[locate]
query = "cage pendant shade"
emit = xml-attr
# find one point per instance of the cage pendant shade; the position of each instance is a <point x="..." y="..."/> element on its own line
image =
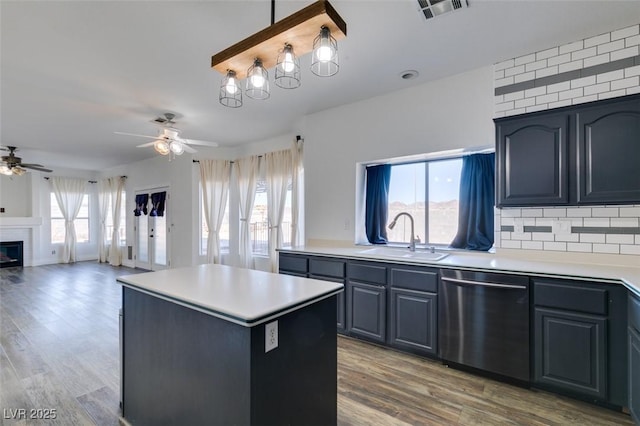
<point x="324" y="59"/>
<point x="257" y="81"/>
<point x="287" y="69"/>
<point x="230" y="92"/>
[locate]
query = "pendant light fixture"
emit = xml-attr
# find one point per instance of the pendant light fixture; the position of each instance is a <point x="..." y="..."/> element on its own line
<point x="176" y="147"/>
<point x="316" y="28"/>
<point x="287" y="69"/>
<point x="257" y="81"/>
<point x="230" y="92"/>
<point x="324" y="60"/>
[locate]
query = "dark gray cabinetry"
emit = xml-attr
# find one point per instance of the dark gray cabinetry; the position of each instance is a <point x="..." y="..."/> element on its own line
<point x="413" y="304"/>
<point x="608" y="152"/>
<point x="578" y="346"/>
<point x="634" y="357"/>
<point x="583" y="154"/>
<point x="366" y="301"/>
<point x="532" y="156"/>
<point x="293" y="264"/>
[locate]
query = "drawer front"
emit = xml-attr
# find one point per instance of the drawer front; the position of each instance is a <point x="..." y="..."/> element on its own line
<point x="634" y="312"/>
<point x="292" y="263"/>
<point x="574" y="297"/>
<point x="412" y="279"/>
<point x="367" y="273"/>
<point x="326" y="268"/>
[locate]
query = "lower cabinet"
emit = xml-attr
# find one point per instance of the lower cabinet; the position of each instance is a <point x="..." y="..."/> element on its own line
<point x="366" y="311"/>
<point x="413" y="321"/>
<point x="570" y="351"/>
<point x="634" y="357"/>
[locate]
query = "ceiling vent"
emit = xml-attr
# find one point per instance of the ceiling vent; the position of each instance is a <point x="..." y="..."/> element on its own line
<point x="432" y="8"/>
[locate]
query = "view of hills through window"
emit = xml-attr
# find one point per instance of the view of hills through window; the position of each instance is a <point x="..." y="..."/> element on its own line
<point x="429" y="191"/>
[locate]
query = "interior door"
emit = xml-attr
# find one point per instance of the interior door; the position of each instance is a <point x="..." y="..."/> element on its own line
<point x="151" y="236"/>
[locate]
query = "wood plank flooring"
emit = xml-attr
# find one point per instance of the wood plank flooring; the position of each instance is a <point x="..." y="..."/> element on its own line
<point x="59" y="350"/>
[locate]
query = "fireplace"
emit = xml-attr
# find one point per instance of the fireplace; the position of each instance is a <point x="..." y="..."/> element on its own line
<point x="11" y="254"/>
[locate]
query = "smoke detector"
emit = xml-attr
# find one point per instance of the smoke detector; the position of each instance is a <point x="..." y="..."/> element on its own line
<point x="432" y="8"/>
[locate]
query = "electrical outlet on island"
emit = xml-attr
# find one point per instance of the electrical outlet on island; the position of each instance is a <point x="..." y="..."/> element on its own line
<point x="270" y="336"/>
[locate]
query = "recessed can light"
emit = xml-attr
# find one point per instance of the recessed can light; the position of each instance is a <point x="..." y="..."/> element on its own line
<point x="409" y="74"/>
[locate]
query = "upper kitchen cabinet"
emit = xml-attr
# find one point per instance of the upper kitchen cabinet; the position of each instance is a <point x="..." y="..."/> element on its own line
<point x="609" y="152"/>
<point x="583" y="154"/>
<point x="532" y="156"/>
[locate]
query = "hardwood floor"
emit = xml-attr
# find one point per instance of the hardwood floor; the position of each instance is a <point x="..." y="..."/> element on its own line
<point x="59" y="350"/>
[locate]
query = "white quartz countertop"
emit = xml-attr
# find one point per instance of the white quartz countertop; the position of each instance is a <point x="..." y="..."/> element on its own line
<point x="243" y="296"/>
<point x="626" y="275"/>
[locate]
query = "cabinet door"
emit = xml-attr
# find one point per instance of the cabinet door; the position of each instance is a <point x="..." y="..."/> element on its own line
<point x="608" y="153"/>
<point x="340" y="320"/>
<point x="570" y="352"/>
<point x="413" y="321"/>
<point x="532" y="160"/>
<point x="634" y="375"/>
<point x="366" y="311"/>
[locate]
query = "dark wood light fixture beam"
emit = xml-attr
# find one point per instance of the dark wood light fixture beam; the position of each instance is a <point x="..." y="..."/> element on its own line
<point x="299" y="30"/>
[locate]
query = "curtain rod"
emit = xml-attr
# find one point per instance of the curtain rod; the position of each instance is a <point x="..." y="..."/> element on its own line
<point x="90" y="181"/>
<point x="298" y="139"/>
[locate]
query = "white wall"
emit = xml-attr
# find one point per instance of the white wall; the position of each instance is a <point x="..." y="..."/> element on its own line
<point x="454" y="112"/>
<point x="15" y="195"/>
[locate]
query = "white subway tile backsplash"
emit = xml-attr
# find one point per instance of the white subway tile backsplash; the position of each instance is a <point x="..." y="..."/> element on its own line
<point x="584" y="81"/>
<point x="555" y="212"/>
<point x="532" y="245"/>
<point x="510" y="244"/>
<point x="584" y="99"/>
<point x="584" y="53"/>
<point x="499" y="114"/>
<point x="511" y="213"/>
<point x="579" y="247"/>
<point x="610" y="47"/>
<point x="570" y="66"/>
<point x="629" y="52"/>
<point x="597" y="222"/>
<point x="619" y="239"/>
<point x="565" y="102"/>
<point x="525" y="59"/>
<point x="608" y="76"/>
<point x="536" y="91"/>
<point x="579" y="212"/>
<point x="597" y="88"/>
<point x="629" y="249"/>
<point x="557" y="60"/>
<point x="545" y="99"/>
<point x="573" y="238"/>
<point x="571" y="94"/>
<point x="545" y="72"/>
<point x="633" y="90"/>
<point x="524" y="77"/>
<point x="532" y="213"/>
<point x="632" y="41"/>
<point x="542" y="236"/>
<point x="535" y="108"/>
<point x="637" y="239"/>
<point x="540" y="221"/>
<point x="554" y="246"/>
<point x="503" y="81"/>
<point x="558" y="87"/>
<point x="599" y="39"/>
<point x="507" y="221"/>
<point x="624" y="83"/>
<point x="504" y="64"/>
<point x="625" y="32"/>
<point x="515" y="111"/>
<point x="571" y="47"/>
<point x="606" y="211"/>
<point x="548" y="53"/>
<point x="624" y="222"/>
<point x="513" y="71"/>
<point x="513" y="96"/>
<point x="592" y="238"/>
<point x="614" y="94"/>
<point x="498" y="74"/>
<point x="631" y="71"/>
<point x="504" y="106"/>
<point x="522" y="103"/>
<point x="576" y="221"/>
<point x="521" y="236"/>
<point x="504" y="235"/>
<point x="536" y="65"/>
<point x="606" y="248"/>
<point x="529" y="221"/>
<point x="597" y="60"/>
<point x="630" y="211"/>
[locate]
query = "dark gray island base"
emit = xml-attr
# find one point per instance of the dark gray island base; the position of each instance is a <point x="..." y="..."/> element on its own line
<point x="182" y="366"/>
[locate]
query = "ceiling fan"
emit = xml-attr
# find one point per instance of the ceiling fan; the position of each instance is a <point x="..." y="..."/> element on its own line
<point x="168" y="139"/>
<point x="12" y="165"/>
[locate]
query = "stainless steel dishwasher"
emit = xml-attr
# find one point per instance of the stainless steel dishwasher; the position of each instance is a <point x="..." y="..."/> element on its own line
<point x="483" y="321"/>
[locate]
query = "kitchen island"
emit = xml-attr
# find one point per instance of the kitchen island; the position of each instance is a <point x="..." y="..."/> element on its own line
<point x="214" y="344"/>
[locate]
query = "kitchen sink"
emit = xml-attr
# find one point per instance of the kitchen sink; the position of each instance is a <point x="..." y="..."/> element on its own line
<point x="403" y="253"/>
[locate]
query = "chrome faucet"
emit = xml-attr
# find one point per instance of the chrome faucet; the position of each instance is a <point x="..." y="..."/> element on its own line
<point x="412" y="241"/>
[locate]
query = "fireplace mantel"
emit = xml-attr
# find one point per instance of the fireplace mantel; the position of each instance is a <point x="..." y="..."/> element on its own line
<point x="20" y="222"/>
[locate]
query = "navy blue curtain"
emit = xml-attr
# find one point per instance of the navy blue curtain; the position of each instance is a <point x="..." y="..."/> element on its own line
<point x="157" y="203"/>
<point x="141" y="204"/>
<point x="377" y="198"/>
<point x="477" y="198"/>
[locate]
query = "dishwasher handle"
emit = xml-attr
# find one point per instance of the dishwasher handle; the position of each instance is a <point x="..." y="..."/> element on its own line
<point x="483" y="284"/>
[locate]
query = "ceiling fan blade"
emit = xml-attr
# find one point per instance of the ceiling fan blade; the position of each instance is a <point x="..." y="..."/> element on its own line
<point x="188" y="149"/>
<point x="201" y="143"/>
<point x="144" y="145"/>
<point x="134" y="134"/>
<point x="36" y="167"/>
<point x="30" y="164"/>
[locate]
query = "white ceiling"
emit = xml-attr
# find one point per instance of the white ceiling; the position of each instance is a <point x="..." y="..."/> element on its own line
<point x="73" y="72"/>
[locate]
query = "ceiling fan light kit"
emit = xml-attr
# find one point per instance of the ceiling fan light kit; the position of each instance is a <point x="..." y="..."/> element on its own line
<point x="315" y="28"/>
<point x="13" y="166"/>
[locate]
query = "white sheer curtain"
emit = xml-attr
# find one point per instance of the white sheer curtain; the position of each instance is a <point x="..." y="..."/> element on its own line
<point x="296" y="192"/>
<point x="214" y="178"/>
<point x="117" y="186"/>
<point x="278" y="171"/>
<point x="69" y="193"/>
<point x="247" y="170"/>
<point x="104" y="195"/>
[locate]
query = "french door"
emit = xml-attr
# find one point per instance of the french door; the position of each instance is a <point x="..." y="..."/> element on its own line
<point x="151" y="236"/>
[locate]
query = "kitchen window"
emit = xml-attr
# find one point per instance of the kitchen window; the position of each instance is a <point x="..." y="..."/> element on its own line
<point x="429" y="191"/>
<point x="81" y="222"/>
<point x="259" y="223"/>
